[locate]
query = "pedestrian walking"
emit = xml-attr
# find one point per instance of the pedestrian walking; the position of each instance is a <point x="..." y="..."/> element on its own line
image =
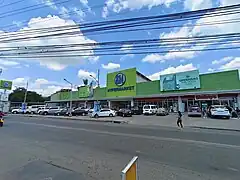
<point x="179" y="120"/>
<point x="238" y="112"/>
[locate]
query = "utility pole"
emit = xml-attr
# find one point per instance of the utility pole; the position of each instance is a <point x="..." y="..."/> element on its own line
<point x="70" y="106"/>
<point x="98" y="77"/>
<point x="25" y="95"/>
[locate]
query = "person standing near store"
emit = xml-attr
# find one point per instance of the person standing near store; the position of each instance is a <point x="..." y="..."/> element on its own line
<point x="179" y="120"/>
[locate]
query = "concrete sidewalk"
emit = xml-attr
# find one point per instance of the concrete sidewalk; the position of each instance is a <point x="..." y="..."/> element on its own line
<point x="80" y="118"/>
<point x="191" y="122"/>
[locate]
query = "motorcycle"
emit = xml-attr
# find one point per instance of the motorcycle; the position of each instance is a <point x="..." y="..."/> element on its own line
<point x="1" y="122"/>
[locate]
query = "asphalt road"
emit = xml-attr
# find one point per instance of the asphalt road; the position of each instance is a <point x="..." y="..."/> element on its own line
<point x="46" y="149"/>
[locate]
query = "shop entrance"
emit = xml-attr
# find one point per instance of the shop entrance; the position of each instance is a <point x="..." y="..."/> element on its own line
<point x="116" y="105"/>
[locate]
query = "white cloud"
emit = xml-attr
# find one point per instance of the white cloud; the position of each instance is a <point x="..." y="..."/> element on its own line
<point x="126" y="47"/>
<point x="170" y="70"/>
<point x="111" y="66"/>
<point x="233" y="64"/>
<point x="6" y="62"/>
<point x="124" y="57"/>
<point x="211" y="70"/>
<point x="40" y="85"/>
<point x="225" y="59"/>
<point x="184" y="31"/>
<point x="85" y="74"/>
<point x="197" y="4"/>
<point x="119" y="5"/>
<point x="53" y="63"/>
<point x="49" y="3"/>
<point x="81" y="14"/>
<point x="64" y="12"/>
<point x="84" y="2"/>
<point x="173" y="54"/>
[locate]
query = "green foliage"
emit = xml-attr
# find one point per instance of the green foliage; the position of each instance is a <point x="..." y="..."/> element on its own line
<point x="18" y="96"/>
<point x="85" y="82"/>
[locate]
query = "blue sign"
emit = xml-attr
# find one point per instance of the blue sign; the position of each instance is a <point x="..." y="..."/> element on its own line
<point x="6" y="84"/>
<point x="120" y="79"/>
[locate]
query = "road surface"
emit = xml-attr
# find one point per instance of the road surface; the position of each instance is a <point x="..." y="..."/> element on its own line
<point x="46" y="149"/>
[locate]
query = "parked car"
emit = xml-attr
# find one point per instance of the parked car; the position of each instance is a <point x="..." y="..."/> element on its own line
<point x="41" y="109"/>
<point x="136" y="111"/>
<point x="220" y="111"/>
<point x="194" y="111"/>
<point x="103" y="113"/>
<point x="61" y="112"/>
<point x="162" y="112"/>
<point x="124" y="112"/>
<point x="34" y="108"/>
<point x="16" y="110"/>
<point x="149" y="109"/>
<point x="81" y="111"/>
<point x="50" y="111"/>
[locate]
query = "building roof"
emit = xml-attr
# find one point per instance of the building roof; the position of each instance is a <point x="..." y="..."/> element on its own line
<point x="143" y="76"/>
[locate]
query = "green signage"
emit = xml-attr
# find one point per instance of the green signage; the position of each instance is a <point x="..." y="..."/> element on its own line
<point x="7" y="85"/>
<point x="121" y="83"/>
<point x="180" y="81"/>
<point x="84" y="92"/>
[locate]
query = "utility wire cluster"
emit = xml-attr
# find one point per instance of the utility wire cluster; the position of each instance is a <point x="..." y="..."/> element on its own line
<point x="191" y="43"/>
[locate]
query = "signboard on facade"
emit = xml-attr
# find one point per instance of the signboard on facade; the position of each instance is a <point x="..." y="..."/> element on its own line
<point x="121" y="83"/>
<point x="84" y="92"/>
<point x="7" y="85"/>
<point x="180" y="81"/>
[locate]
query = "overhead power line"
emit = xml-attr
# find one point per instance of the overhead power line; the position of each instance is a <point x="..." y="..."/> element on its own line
<point x="12" y="3"/>
<point x="123" y="53"/>
<point x="29" y="8"/>
<point x="52" y="32"/>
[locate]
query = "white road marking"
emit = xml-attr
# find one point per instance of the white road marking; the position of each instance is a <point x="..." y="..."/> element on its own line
<point x="220" y="145"/>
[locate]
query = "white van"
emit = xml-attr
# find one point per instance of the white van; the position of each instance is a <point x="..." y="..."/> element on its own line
<point x="149" y="109"/>
<point x="34" y="108"/>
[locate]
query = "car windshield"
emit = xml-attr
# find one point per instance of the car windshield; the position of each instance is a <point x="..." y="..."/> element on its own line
<point x="146" y="107"/>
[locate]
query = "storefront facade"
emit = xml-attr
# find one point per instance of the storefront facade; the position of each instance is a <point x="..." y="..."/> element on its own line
<point x="129" y="88"/>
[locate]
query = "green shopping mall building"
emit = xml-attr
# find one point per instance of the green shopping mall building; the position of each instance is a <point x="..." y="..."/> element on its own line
<point x="131" y="89"/>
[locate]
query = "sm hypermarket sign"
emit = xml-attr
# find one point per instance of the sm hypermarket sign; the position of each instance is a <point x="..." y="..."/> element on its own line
<point x="7" y="85"/>
<point x="180" y="81"/>
<point x="121" y="83"/>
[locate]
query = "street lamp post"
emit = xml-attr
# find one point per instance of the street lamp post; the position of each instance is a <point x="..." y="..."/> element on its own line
<point x="70" y="113"/>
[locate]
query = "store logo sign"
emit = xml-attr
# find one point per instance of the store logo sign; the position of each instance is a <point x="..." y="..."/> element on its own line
<point x="6" y="84"/>
<point x="120" y="79"/>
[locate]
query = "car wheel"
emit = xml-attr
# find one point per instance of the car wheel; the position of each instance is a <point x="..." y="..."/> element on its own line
<point x="58" y="114"/>
<point x="123" y="115"/>
<point x="110" y="115"/>
<point x="14" y="112"/>
<point x="83" y="114"/>
<point x="96" y="115"/>
<point x="45" y="113"/>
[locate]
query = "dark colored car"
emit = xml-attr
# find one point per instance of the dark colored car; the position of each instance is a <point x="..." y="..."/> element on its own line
<point x="136" y="111"/>
<point x="80" y="112"/>
<point x="124" y="113"/>
<point x="61" y="112"/>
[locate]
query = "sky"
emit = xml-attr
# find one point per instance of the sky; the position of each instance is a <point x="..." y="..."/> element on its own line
<point x="46" y="75"/>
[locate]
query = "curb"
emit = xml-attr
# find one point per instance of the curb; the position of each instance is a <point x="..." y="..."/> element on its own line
<point x="211" y="128"/>
<point x="77" y="119"/>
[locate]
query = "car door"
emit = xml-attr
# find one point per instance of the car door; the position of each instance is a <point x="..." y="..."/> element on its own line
<point x="102" y="112"/>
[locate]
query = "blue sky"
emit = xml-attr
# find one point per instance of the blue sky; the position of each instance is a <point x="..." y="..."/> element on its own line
<point x="46" y="76"/>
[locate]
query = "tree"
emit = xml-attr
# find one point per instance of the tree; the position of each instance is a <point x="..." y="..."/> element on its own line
<point x="85" y="82"/>
<point x="18" y="96"/>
